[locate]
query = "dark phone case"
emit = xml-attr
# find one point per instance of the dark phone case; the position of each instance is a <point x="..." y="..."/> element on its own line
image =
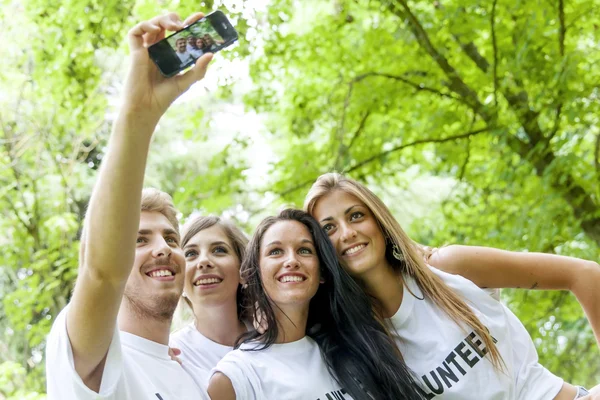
<point x="162" y="53"/>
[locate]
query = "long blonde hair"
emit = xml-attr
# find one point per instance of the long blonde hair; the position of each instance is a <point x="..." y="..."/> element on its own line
<point x="414" y="265"/>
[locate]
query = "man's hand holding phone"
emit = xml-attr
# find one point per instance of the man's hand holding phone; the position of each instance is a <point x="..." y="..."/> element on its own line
<point x="148" y="94"/>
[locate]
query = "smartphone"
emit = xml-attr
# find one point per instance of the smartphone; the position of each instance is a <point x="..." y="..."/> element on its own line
<point x="180" y="50"/>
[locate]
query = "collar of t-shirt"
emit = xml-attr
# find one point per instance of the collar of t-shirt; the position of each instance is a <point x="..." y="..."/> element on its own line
<point x="149" y="347"/>
<point x="203" y="341"/>
<point x="409" y="290"/>
<point x="286" y="349"/>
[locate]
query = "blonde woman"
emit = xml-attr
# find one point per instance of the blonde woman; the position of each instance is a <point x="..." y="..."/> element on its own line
<point x="458" y="341"/>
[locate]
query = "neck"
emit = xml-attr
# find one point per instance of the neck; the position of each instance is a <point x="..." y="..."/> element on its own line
<point x="291" y="322"/>
<point x="386" y="285"/>
<point x="154" y="329"/>
<point x="219" y="323"/>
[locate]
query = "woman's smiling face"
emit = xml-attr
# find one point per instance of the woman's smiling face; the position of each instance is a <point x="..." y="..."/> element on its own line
<point x="289" y="264"/>
<point x="353" y="230"/>
<point x="212" y="267"/>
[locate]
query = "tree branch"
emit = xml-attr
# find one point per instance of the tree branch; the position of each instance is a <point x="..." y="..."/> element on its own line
<point x="597" y="155"/>
<point x="473" y="52"/>
<point x="416" y="143"/>
<point x="563" y="30"/>
<point x="296" y="187"/>
<point x="417" y="86"/>
<point x="342" y="149"/>
<point x="455" y="83"/>
<point x="561" y="48"/>
<point x="360" y="128"/>
<point x="495" y="49"/>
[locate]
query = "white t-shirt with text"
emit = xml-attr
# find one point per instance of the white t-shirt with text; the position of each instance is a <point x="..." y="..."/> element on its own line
<point x="199" y="354"/>
<point x="289" y="371"/>
<point x="451" y="363"/>
<point x="135" y="369"/>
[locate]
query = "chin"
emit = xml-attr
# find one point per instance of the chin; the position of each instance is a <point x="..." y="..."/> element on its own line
<point x="358" y="269"/>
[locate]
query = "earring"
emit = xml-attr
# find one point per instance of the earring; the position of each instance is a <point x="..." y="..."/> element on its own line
<point x="183" y="294"/>
<point x="397" y="253"/>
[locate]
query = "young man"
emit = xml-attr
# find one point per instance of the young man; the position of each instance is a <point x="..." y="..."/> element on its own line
<point x="182" y="51"/>
<point x="110" y="342"/>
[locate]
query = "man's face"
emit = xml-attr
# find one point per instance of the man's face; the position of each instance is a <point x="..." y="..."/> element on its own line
<point x="191" y="40"/>
<point x="180" y="45"/>
<point x="156" y="280"/>
<point x="208" y="40"/>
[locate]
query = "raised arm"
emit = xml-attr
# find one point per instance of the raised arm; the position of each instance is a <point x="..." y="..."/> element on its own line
<point x="493" y="268"/>
<point x="109" y="239"/>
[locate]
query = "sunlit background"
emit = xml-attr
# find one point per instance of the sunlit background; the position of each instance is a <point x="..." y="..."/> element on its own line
<point x="476" y="122"/>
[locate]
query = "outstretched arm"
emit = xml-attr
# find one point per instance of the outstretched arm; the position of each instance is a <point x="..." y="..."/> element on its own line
<point x="112" y="221"/>
<point x="493" y="268"/>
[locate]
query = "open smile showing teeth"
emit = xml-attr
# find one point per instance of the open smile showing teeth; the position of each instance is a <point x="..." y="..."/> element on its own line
<point x="354" y="249"/>
<point x="159" y="273"/>
<point x="207" y="281"/>
<point x="291" y="278"/>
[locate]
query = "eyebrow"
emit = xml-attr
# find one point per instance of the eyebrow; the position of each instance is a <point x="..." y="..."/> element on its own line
<point x="278" y="242"/>
<point x="219" y="242"/>
<point x="167" y="231"/>
<point x="345" y="212"/>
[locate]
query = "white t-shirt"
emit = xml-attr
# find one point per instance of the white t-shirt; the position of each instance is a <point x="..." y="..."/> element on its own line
<point x="199" y="354"/>
<point x="294" y="371"/>
<point x="451" y="363"/>
<point x="136" y="368"/>
<point x="185" y="57"/>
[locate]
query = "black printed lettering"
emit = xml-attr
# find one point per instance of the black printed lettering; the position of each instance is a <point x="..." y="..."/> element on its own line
<point x="437" y="390"/>
<point x="465" y="355"/>
<point x="335" y="395"/>
<point x="427" y="396"/>
<point x="452" y="359"/>
<point x="446" y="373"/>
<point x="475" y="345"/>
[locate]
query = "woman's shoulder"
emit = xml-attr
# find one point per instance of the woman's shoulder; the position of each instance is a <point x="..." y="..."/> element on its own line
<point x="469" y="291"/>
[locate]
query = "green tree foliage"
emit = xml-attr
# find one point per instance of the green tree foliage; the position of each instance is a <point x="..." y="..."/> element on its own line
<point x="59" y="73"/>
<point x="476" y="121"/>
<point x="497" y="99"/>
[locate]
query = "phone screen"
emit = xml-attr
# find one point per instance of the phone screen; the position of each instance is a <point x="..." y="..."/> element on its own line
<point x="180" y="50"/>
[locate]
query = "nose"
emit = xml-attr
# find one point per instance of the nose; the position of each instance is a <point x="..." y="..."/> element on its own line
<point x="291" y="262"/>
<point x="162" y="249"/>
<point x="203" y="261"/>
<point x="347" y="232"/>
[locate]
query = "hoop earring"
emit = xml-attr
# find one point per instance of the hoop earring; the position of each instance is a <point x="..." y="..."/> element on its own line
<point x="397" y="253"/>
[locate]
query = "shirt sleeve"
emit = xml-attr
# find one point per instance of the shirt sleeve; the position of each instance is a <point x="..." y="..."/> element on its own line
<point x="63" y="382"/>
<point x="241" y="374"/>
<point x="532" y="380"/>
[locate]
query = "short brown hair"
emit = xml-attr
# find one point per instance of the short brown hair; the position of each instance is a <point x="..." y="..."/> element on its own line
<point x="159" y="201"/>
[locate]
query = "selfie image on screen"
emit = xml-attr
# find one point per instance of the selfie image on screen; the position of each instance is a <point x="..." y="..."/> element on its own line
<point x="191" y="43"/>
